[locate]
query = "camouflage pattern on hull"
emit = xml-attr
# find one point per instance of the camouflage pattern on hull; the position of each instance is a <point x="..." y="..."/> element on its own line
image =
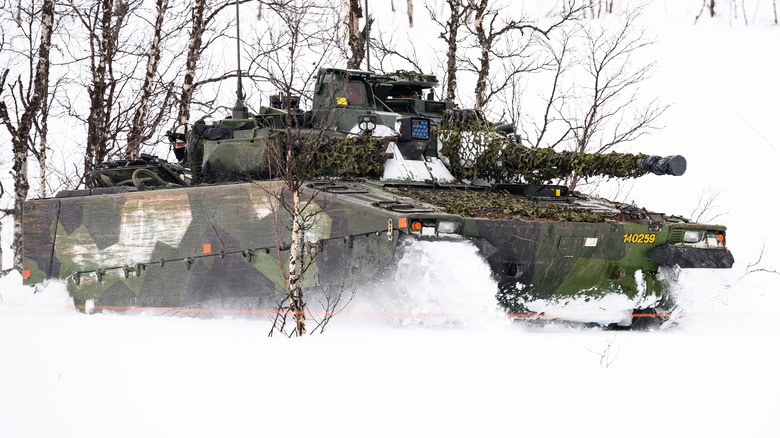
<point x="224" y="246"/>
<point x="553" y="260"/>
<point x="195" y="246"/>
<point x="217" y="246"/>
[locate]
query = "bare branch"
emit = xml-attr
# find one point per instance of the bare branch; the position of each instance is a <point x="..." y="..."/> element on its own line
<point x="753" y="268"/>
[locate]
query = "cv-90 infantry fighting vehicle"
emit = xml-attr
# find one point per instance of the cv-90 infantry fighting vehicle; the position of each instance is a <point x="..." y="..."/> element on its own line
<point x="388" y="163"/>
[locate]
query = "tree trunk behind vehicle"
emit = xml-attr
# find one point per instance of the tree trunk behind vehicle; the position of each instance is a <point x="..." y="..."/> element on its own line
<point x="450" y="36"/>
<point x="193" y="55"/>
<point x="20" y="135"/>
<point x="103" y="88"/>
<point x="356" y="38"/>
<point x="138" y="128"/>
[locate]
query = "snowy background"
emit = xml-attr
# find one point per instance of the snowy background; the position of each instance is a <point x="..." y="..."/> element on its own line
<point x="467" y="372"/>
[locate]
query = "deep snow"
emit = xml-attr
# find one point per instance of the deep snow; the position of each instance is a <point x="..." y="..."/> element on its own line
<point x="471" y="372"/>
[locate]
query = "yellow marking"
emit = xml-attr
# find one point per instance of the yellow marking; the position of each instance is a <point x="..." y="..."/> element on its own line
<point x="557" y="192"/>
<point x="639" y="238"/>
<point x="341" y="100"/>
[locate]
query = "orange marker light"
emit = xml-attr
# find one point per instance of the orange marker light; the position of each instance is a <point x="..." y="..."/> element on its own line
<point x="416" y="226"/>
<point x="402" y="222"/>
<point x="720" y="237"/>
<point x="206" y="248"/>
<point x="26" y="274"/>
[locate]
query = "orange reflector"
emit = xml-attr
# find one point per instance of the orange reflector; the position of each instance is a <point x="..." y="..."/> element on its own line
<point x="416" y="226"/>
<point x="402" y="222"/>
<point x="206" y="248"/>
<point x="720" y="237"/>
<point x="26" y="274"/>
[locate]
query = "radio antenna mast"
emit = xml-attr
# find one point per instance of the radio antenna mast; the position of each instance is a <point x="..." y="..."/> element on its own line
<point x="368" y="41"/>
<point x="239" y="110"/>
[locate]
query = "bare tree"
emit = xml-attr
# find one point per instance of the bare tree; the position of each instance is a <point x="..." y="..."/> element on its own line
<point x="597" y="8"/>
<point x="301" y="36"/>
<point x="757" y="266"/>
<point x="103" y="23"/>
<point x="142" y="129"/>
<point x="25" y="19"/>
<point x="27" y="100"/>
<point x="549" y="122"/>
<point x="606" y="356"/>
<point x="735" y="9"/>
<point x="387" y="54"/>
<point x="701" y="11"/>
<point x="458" y="10"/>
<point x="604" y="114"/>
<point x="498" y="38"/>
<point x="204" y="31"/>
<point x="193" y="54"/>
<point x="3" y="214"/>
<point x="41" y="153"/>
<point x="356" y="38"/>
<point x="706" y="210"/>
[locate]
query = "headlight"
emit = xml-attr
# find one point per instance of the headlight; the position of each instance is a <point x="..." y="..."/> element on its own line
<point x="693" y="236"/>
<point x="367" y="123"/>
<point x="447" y="227"/>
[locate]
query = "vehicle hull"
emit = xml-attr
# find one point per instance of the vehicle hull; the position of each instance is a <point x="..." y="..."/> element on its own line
<point x="227" y="246"/>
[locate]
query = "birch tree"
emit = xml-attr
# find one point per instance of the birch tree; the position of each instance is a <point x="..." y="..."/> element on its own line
<point x="4" y="212"/>
<point x="193" y="55"/>
<point x="296" y="30"/>
<point x="26" y="99"/>
<point x="356" y="38"/>
<point x="104" y="22"/>
<point x="142" y="129"/>
<point x="205" y="30"/>
<point x="496" y="38"/>
<point x="456" y="18"/>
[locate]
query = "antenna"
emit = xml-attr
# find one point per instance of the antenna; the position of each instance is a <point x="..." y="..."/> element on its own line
<point x="368" y="41"/>
<point x="239" y="110"/>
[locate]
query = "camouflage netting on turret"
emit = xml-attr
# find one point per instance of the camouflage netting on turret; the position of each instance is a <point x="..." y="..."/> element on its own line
<point x="354" y="157"/>
<point x="476" y="150"/>
<point x="499" y="205"/>
<point x="413" y="76"/>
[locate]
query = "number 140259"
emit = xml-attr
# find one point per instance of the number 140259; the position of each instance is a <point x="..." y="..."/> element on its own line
<point x="639" y="238"/>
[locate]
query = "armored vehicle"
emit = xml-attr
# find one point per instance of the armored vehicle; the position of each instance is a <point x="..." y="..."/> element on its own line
<point x="385" y="162"/>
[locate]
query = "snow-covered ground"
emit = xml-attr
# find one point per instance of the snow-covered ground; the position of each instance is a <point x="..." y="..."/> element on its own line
<point x="465" y="371"/>
<point x="64" y="373"/>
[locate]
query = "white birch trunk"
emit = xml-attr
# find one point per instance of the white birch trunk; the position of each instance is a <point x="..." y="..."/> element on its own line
<point x="136" y="136"/>
<point x="297" y="304"/>
<point x="193" y="54"/>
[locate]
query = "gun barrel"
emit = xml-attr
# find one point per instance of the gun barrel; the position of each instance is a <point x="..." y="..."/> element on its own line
<point x="672" y="165"/>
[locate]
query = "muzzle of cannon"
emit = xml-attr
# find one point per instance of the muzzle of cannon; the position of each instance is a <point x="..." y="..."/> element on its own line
<point x="672" y="165"/>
